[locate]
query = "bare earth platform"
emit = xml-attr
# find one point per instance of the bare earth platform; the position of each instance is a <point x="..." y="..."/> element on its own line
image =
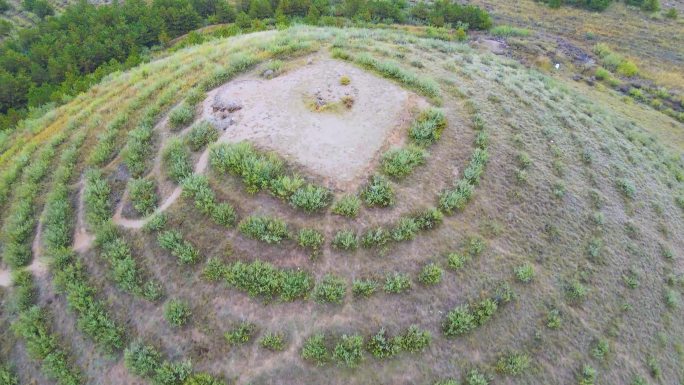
<point x="340" y="145"/>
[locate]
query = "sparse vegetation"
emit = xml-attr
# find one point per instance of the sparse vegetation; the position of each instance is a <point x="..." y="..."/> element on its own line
<point x="177" y="313"/>
<point x="347" y="206"/>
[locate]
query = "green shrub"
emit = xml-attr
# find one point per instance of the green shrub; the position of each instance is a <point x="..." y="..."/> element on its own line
<point x="265" y="229"/>
<point x="364" y="288"/>
<point x="396" y="283"/>
<point x="345" y="240"/>
<point x="177" y="313"/>
<point x="405" y="230"/>
<point x="176" y="160"/>
<point x="587" y="376"/>
<point x="143" y="193"/>
<point x="513" y="364"/>
<point x="553" y="319"/>
<point x="241" y="334"/>
<point x="380" y="345"/>
<point x="456" y="261"/>
<point x="671" y="13"/>
<point x="672" y="299"/>
<point x="273" y="341"/>
<point x="414" y="339"/>
<point x="474" y="377"/>
<point x="638" y="380"/>
<point x="25" y="290"/>
<point x="459" y="321"/>
<point x="347" y="206"/>
<point x="428" y="127"/>
<point x="627" y="68"/>
<point x="263" y="279"/>
<point x="431" y="274"/>
<point x="428" y="219"/>
<point x="602" y="74"/>
<point x="378" y="192"/>
<point x="484" y="310"/>
<point x="173" y="241"/>
<point x="284" y="186"/>
<point x="400" y="162"/>
<point x="627" y="188"/>
<point x="575" y="291"/>
<point x="181" y="116"/>
<point x="201" y="135"/>
<point x="7" y="377"/>
<point x="139" y="147"/>
<point x="476" y="246"/>
<point x="524" y="273"/>
<point x="330" y="289"/>
<point x="197" y="187"/>
<point x="377" y="237"/>
<point x="202" y="379"/>
<point x="142" y="360"/>
<point x="156" y="222"/>
<point x="311" y="198"/>
<point x="653" y="367"/>
<point x="214" y="270"/>
<point x="96" y="198"/>
<point x="509" y="31"/>
<point x="349" y="351"/>
<point x="601" y="349"/>
<point x="171" y="373"/>
<point x="310" y="239"/>
<point x="314" y="349"/>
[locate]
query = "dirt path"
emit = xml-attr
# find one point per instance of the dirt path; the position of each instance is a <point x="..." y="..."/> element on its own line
<point x="5" y="278"/>
<point x="38" y="267"/>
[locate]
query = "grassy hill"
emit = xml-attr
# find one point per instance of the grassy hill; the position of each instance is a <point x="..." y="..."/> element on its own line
<point x="511" y="226"/>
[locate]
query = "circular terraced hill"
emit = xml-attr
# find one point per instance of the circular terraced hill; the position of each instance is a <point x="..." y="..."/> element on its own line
<point x="342" y="207"/>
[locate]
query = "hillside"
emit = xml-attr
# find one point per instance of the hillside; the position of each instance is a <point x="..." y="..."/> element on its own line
<point x="347" y="206"/>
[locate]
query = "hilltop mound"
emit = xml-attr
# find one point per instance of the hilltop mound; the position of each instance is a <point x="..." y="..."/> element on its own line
<point x="343" y="206"/>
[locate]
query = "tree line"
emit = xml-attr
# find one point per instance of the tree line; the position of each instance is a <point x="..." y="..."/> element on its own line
<point x="65" y="54"/>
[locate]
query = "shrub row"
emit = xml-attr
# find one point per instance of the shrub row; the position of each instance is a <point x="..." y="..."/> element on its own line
<point x="201" y="134"/>
<point x="197" y="187"/>
<point x="392" y="70"/>
<point x="32" y="325"/>
<point x="71" y="279"/>
<point x="143" y="195"/>
<point x="13" y="172"/>
<point x="266" y="171"/>
<point x="176" y="158"/>
<point x="457" y="197"/>
<point x="348" y="350"/>
<point x="465" y="318"/>
<point x="20" y="225"/>
<point x="173" y="241"/>
<point x="262" y="279"/>
<point x="263" y="228"/>
<point x="146" y="361"/>
<point x="428" y="127"/>
<point x="400" y="162"/>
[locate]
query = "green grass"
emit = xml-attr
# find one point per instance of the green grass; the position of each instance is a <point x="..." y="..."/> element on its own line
<point x="265" y="229"/>
<point x="401" y="162"/>
<point x="510" y="31"/>
<point x="347" y="206"/>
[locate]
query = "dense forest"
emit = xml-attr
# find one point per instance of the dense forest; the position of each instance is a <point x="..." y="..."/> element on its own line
<point x="67" y="53"/>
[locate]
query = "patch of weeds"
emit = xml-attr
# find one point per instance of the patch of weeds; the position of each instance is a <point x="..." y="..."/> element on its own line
<point x="183" y="250"/>
<point x="672" y="299"/>
<point x="314" y="350"/>
<point x="428" y="127"/>
<point x="240" y="335"/>
<point x="456" y="261"/>
<point x="558" y="189"/>
<point x="600" y="349"/>
<point x="347" y="206"/>
<point x="378" y="192"/>
<point x="626" y="187"/>
<point x="510" y="31"/>
<point x="310" y="239"/>
<point x="265" y="229"/>
<point x="587" y="376"/>
<point x="474" y="377"/>
<point x="513" y="364"/>
<point x="330" y="289"/>
<point x="431" y="274"/>
<point x="364" y="288"/>
<point x="524" y="160"/>
<point x="653" y="367"/>
<point x="349" y="351"/>
<point x="177" y="313"/>
<point x="273" y="341"/>
<point x="631" y="279"/>
<point x="400" y="162"/>
<point x="377" y="237"/>
<point x="576" y="292"/>
<point x="524" y="273"/>
<point x="396" y="283"/>
<point x="143" y="193"/>
<point x="594" y="248"/>
<point x="345" y="80"/>
<point x="201" y="135"/>
<point x="345" y="240"/>
<point x="414" y="339"/>
<point x="553" y="319"/>
<point x="476" y="246"/>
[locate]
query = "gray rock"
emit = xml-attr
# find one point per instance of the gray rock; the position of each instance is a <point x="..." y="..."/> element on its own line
<point x="268" y="74"/>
